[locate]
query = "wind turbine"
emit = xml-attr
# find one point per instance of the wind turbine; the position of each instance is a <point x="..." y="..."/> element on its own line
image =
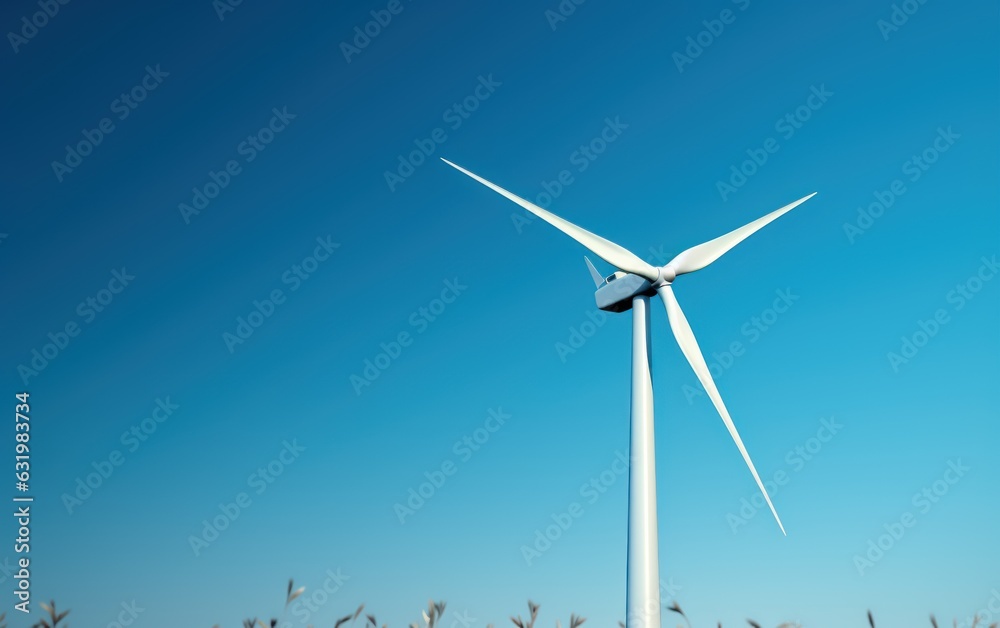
<point x="630" y="288"/>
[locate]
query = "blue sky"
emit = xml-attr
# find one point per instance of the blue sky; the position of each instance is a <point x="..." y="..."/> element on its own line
<point x="318" y="217"/>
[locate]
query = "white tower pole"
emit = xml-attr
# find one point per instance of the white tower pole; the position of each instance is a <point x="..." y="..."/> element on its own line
<point x="643" y="586"/>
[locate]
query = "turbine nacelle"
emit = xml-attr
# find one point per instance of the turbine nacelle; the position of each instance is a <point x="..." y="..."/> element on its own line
<point x="615" y="294"/>
<point x="616" y="291"/>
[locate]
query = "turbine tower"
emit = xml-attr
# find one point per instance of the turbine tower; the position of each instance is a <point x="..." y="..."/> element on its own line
<point x="630" y="288"/>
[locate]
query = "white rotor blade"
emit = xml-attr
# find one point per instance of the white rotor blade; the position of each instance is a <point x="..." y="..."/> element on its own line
<point x="700" y="256"/>
<point x="689" y="347"/>
<point x="606" y="250"/>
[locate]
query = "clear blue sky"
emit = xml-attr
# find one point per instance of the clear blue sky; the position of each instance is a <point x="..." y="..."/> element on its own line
<point x="306" y="208"/>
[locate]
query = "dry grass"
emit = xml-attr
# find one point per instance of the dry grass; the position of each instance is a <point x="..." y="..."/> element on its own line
<point x="53" y="619"/>
<point x="435" y="613"/>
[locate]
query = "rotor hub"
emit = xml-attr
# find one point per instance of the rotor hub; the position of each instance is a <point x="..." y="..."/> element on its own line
<point x="665" y="274"/>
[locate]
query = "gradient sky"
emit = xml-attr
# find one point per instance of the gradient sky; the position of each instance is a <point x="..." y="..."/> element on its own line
<point x="679" y="128"/>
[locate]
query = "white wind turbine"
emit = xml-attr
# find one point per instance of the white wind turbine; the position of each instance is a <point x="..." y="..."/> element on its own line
<point x="630" y="289"/>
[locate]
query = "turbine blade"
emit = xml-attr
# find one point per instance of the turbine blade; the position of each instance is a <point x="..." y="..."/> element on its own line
<point x="608" y="251"/>
<point x="700" y="256"/>
<point x="598" y="280"/>
<point x="689" y="347"/>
